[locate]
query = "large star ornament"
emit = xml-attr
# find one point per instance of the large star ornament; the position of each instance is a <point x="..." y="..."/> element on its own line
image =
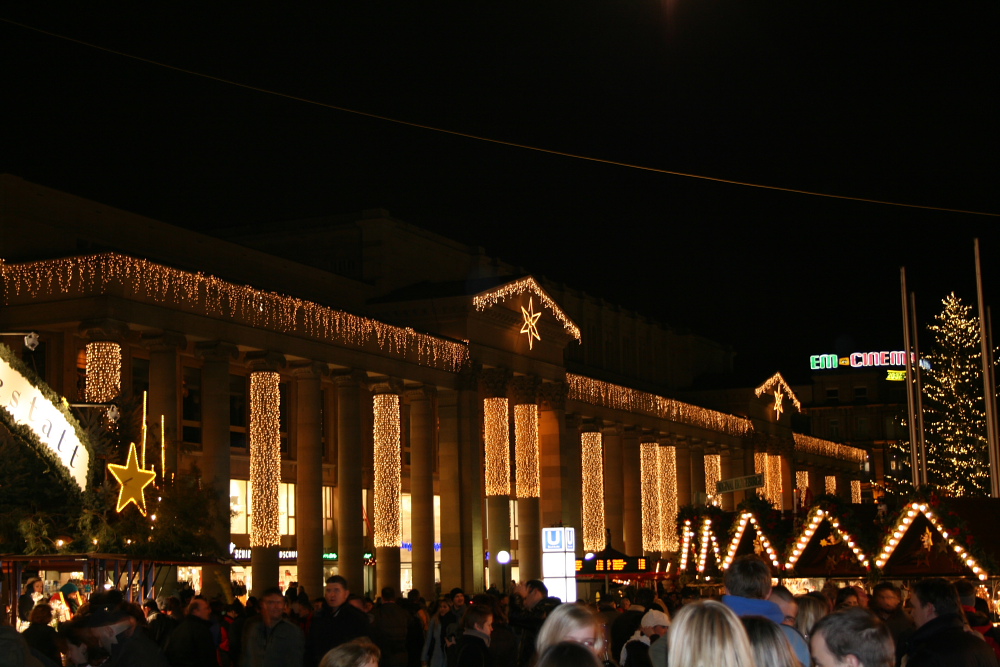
<point x="133" y="480"/>
<point x="530" y="325"/>
<point x="778" y="409"/>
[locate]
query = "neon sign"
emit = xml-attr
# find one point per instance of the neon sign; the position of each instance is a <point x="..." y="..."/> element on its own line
<point x="859" y="360"/>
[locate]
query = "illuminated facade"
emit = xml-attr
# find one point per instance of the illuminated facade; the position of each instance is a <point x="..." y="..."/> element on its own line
<point x="300" y="368"/>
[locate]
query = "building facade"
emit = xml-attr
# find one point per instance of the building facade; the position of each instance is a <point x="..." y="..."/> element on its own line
<point x="373" y="399"/>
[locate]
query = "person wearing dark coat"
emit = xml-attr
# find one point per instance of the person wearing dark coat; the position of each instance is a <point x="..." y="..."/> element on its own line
<point x="40" y="635"/>
<point x="191" y="643"/>
<point x="394" y="631"/>
<point x="474" y="646"/>
<point x="942" y="638"/>
<point x="336" y="623"/>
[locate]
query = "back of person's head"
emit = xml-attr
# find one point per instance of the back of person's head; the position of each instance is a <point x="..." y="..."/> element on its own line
<point x="476" y="615"/>
<point x="811" y="609"/>
<point x="749" y="577"/>
<point x="858" y="632"/>
<point x="388" y="594"/>
<point x="966" y="592"/>
<point x="885" y="586"/>
<point x="709" y="634"/>
<point x="40" y="613"/>
<point x="770" y="645"/>
<point x="940" y="593"/>
<point x="413" y="595"/>
<point x="563" y="621"/>
<point x="359" y="652"/>
<point x="172" y="605"/>
<point x="151" y="605"/>
<point x="644" y="597"/>
<point x="782" y="593"/>
<point x="568" y="654"/>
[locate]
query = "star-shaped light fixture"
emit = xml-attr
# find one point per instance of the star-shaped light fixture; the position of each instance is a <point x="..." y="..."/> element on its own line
<point x="530" y="325"/>
<point x="133" y="480"/>
<point x="778" y="409"/>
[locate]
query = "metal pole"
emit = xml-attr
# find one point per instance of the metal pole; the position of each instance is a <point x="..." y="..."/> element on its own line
<point x="991" y="390"/>
<point x="921" y="432"/>
<point x="988" y="397"/>
<point x="911" y="422"/>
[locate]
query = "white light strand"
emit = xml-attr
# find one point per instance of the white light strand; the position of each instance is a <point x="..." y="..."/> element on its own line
<point x="387" y="531"/>
<point x="831" y="485"/>
<point x="748" y="518"/>
<point x="484" y="300"/>
<point x="773" y="481"/>
<point x="496" y="438"/>
<point x="778" y="381"/>
<point x="802" y="480"/>
<point x="809" y="529"/>
<point x="213" y="296"/>
<point x="904" y="524"/>
<point x="593" y="491"/>
<point x="668" y="497"/>
<point x="104" y="371"/>
<point x="856" y="491"/>
<point x="805" y="443"/>
<point x="713" y="474"/>
<point x="526" y="450"/>
<point x="265" y="458"/>
<point x="649" y="462"/>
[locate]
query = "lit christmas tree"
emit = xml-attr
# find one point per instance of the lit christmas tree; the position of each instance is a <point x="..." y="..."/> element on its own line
<point x="954" y="410"/>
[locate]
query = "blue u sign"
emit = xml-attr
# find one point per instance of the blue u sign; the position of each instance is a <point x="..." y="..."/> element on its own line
<point x="552" y="539"/>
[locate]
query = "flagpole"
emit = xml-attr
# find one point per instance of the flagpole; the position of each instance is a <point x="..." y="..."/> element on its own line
<point x="919" y="391"/>
<point x="988" y="395"/>
<point x="910" y="412"/>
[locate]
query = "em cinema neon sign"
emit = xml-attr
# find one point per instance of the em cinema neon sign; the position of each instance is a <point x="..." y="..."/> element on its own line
<point x="859" y="360"/>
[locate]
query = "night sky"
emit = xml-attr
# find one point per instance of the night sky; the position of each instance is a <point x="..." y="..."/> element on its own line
<point x="870" y="100"/>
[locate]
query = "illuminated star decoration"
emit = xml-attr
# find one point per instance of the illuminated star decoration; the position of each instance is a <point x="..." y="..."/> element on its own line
<point x="530" y="325"/>
<point x="133" y="480"/>
<point x="778" y="396"/>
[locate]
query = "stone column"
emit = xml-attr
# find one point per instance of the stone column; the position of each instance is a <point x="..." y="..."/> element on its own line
<point x="493" y="385"/>
<point x="309" y="474"/>
<point x="736" y="463"/>
<point x="164" y="390"/>
<point x="633" y="491"/>
<point x="215" y="449"/>
<point x="817" y="481"/>
<point x="524" y="391"/>
<point x="614" y="486"/>
<point x="423" y="431"/>
<point x="387" y="483"/>
<point x="684" y="491"/>
<point x="727" y="473"/>
<point x="787" y="481"/>
<point x="265" y="467"/>
<point x="697" y="450"/>
<point x="553" y="469"/>
<point x="349" y="513"/>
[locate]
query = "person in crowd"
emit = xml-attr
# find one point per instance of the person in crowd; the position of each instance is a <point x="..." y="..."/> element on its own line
<point x="811" y="609"/>
<point x="748" y="585"/>
<point x="769" y="644"/>
<point x="570" y="623"/>
<point x="40" y="635"/>
<point x="625" y="626"/>
<point x="781" y="596"/>
<point x="457" y="596"/>
<point x="65" y="602"/>
<point x="846" y="597"/>
<point x="191" y="643"/>
<point x="709" y="634"/>
<point x="361" y="652"/>
<point x="864" y="600"/>
<point x="417" y="606"/>
<point x="473" y="647"/>
<point x="108" y="628"/>
<point x="527" y="619"/>
<point x="852" y="637"/>
<point x="976" y="619"/>
<point x="886" y="602"/>
<point x="503" y="641"/>
<point x="653" y="625"/>
<point x="34" y="592"/>
<point x="395" y="631"/>
<point x="568" y="654"/>
<point x="433" y="653"/>
<point x="941" y="637"/>
<point x="271" y="640"/>
<point x="160" y="624"/>
<point x="337" y="623"/>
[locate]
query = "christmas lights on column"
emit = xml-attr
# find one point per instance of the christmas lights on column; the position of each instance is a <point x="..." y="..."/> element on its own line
<point x="104" y="371"/>
<point x="592" y="460"/>
<point x="386" y="528"/>
<point x="649" y="461"/>
<point x="668" y="497"/>
<point x="265" y="458"/>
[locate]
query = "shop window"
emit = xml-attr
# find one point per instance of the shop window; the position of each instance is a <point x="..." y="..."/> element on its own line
<point x="328" y="524"/>
<point x="861" y="393"/>
<point x="833" y="394"/>
<point x="241" y="505"/>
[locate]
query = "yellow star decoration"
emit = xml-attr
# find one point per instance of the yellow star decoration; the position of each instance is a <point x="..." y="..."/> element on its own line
<point x="133" y="480"/>
<point x="778" y="396"/>
<point x="530" y="326"/>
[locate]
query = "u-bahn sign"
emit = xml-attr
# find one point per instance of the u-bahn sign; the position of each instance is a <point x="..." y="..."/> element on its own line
<point x="740" y="483"/>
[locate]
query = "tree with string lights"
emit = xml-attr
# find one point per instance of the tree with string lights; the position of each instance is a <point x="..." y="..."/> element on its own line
<point x="954" y="410"/>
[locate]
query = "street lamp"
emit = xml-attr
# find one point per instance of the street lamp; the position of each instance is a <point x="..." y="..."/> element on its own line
<point x="503" y="557"/>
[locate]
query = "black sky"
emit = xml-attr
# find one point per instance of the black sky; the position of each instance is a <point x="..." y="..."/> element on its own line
<point x="872" y="100"/>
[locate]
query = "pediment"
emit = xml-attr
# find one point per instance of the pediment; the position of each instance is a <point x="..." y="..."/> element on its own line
<point x="920" y="544"/>
<point x="527" y="306"/>
<point x="824" y="548"/>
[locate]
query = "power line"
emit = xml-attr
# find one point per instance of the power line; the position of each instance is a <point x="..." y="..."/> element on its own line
<point x="501" y="142"/>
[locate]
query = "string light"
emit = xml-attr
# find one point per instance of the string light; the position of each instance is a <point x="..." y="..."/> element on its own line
<point x="104" y="371"/>
<point x="904" y="523"/>
<point x="713" y="474"/>
<point x="387" y="530"/>
<point x="748" y="518"/>
<point x="265" y="458"/>
<point x="770" y="465"/>
<point x="530" y="325"/>
<point x="856" y="491"/>
<point x="707" y="539"/>
<point x="686" y="535"/>
<point x="213" y="296"/>
<point x="617" y="397"/>
<point x="526" y="450"/>
<point x="805" y="443"/>
<point x="668" y="497"/>
<point x="497" y="440"/>
<point x="145" y="429"/>
<point x="592" y="461"/>
<point x="802" y="480"/>
<point x="777" y="382"/>
<point x="649" y="466"/>
<point x="490" y="298"/>
<point x="815" y="517"/>
<point x="831" y="485"/>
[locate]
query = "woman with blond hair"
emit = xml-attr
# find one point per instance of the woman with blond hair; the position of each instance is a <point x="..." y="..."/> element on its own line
<point x="360" y="652"/>
<point x="811" y="609"/>
<point x="708" y="634"/>
<point x="769" y="644"/>
<point x="571" y="623"/>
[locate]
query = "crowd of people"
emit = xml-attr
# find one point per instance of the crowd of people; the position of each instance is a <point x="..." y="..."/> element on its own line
<point x="939" y="623"/>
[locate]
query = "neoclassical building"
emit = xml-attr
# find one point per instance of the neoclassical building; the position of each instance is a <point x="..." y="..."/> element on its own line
<point x="374" y="399"/>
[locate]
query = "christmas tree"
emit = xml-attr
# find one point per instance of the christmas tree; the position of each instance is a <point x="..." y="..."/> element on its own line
<point x="954" y="410"/>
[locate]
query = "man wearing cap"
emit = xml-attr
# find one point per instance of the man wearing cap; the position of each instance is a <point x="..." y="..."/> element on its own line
<point x="652" y="627"/>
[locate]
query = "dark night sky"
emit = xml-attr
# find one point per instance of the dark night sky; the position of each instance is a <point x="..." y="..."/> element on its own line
<point x="869" y="100"/>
